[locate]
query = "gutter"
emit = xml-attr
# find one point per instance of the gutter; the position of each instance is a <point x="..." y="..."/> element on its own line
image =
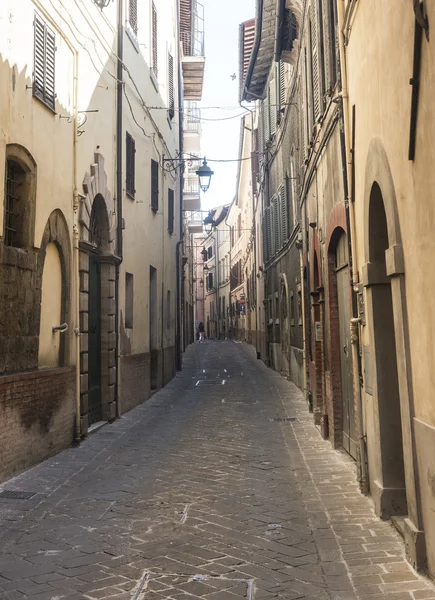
<point x="255" y="49"/>
<point x="279" y="19"/>
<point x="119" y="240"/>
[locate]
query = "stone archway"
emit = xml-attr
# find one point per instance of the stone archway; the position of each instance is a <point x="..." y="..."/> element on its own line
<point x="391" y="444"/>
<point x="98" y="362"/>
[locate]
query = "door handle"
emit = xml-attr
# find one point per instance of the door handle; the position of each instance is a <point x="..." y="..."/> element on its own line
<point x="345" y="349"/>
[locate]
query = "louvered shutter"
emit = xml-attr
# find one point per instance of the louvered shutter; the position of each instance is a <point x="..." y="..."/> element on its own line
<point x="265" y="257"/>
<point x="130" y="165"/>
<point x="303" y="103"/>
<point x="315" y="63"/>
<point x="44" y="63"/>
<point x="327" y="43"/>
<point x="154" y="185"/>
<point x="171" y="101"/>
<point x="261" y="133"/>
<point x="284" y="212"/>
<point x="254" y="160"/>
<point x="289" y="199"/>
<point x="276" y="224"/>
<point x="132" y="15"/>
<point x="171" y="211"/>
<point x="266" y="122"/>
<point x="269" y="232"/>
<point x="282" y="89"/>
<point x="155" y="41"/>
<point x="272" y="106"/>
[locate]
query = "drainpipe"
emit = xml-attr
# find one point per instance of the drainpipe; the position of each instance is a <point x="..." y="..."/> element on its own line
<point x="119" y="240"/>
<point x="351" y="218"/>
<point x="179" y="300"/>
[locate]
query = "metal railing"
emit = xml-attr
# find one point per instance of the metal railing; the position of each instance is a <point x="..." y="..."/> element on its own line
<point x="193" y="41"/>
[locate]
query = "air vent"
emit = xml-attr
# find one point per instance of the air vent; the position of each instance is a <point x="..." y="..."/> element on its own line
<point x="16" y="495"/>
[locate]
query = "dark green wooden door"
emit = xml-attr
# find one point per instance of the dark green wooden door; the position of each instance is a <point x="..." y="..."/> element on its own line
<point x="94" y="340"/>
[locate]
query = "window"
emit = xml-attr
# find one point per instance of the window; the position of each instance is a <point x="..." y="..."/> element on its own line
<point x="129" y="301"/>
<point x="292" y="308"/>
<point x="300" y="305"/>
<point x="210" y="281"/>
<point x="130" y="165"/>
<point x="209" y="252"/>
<point x="132" y="15"/>
<point x="171" y="91"/>
<point x="154" y="42"/>
<point x="168" y="309"/>
<point x="14" y="207"/>
<point x="43" y="65"/>
<point x="154" y="185"/>
<point x="170" y="211"/>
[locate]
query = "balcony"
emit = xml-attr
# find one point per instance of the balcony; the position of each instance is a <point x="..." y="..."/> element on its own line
<point x="191" y="194"/>
<point x="192" y="44"/>
<point x="195" y="226"/>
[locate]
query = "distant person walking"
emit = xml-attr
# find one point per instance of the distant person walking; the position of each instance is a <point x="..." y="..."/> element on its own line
<point x="201" y="331"/>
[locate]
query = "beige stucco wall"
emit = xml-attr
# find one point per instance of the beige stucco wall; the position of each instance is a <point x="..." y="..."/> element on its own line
<point x="50" y="309"/>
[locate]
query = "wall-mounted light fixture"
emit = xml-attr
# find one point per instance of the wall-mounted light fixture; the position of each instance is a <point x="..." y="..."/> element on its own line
<point x="204" y="172"/>
<point x="102" y="3"/>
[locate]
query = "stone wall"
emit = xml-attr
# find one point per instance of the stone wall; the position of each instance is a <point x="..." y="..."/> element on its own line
<point x="37" y="416"/>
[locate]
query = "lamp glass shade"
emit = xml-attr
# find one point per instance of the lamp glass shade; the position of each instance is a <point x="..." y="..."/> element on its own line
<point x="204" y="173"/>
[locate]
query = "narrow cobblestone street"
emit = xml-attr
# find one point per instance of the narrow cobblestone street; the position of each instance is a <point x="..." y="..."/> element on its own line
<point x="220" y="487"/>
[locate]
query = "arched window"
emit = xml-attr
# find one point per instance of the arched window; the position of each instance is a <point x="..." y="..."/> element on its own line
<point x="19" y="206"/>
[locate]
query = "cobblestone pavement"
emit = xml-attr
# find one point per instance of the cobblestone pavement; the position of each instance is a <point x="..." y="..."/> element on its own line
<point x="218" y="488"/>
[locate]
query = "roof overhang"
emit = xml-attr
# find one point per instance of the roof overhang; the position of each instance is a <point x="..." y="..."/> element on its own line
<point x="270" y="22"/>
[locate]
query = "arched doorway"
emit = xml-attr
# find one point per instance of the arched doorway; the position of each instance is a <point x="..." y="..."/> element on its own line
<point x="97" y="266"/>
<point x="386" y="389"/>
<point x="51" y="309"/>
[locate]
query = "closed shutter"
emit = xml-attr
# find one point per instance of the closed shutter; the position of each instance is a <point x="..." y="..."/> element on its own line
<point x="130" y="165"/>
<point x="283" y="200"/>
<point x="315" y="63"/>
<point x="272" y="106"/>
<point x="261" y="142"/>
<point x="289" y="194"/>
<point x="327" y="44"/>
<point x="171" y="211"/>
<point x="269" y="232"/>
<point x="281" y="89"/>
<point x="276" y="224"/>
<point x="264" y="232"/>
<point x="303" y="103"/>
<point x="155" y="41"/>
<point x="254" y="159"/>
<point x="44" y="63"/>
<point x="132" y="15"/>
<point x="266" y="123"/>
<point x="154" y="185"/>
<point x="171" y="95"/>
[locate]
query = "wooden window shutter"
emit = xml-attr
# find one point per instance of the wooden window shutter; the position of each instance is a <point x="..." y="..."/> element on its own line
<point x="272" y="106"/>
<point x="130" y="165"/>
<point x="44" y="63"/>
<point x="261" y="142"/>
<point x="282" y="90"/>
<point x="155" y="41"/>
<point x="132" y="15"/>
<point x="269" y="232"/>
<point x="315" y="75"/>
<point x="154" y="185"/>
<point x="254" y="159"/>
<point x="171" y="94"/>
<point x="266" y="123"/>
<point x="276" y="223"/>
<point x="284" y="212"/>
<point x="171" y="211"/>
<point x="289" y="195"/>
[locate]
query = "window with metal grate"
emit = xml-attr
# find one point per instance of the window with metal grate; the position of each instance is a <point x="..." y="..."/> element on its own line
<point x="44" y="63"/>
<point x="132" y="15"/>
<point x="171" y="91"/>
<point x="154" y="41"/>
<point x="154" y="185"/>
<point x="130" y="165"/>
<point x="170" y="211"/>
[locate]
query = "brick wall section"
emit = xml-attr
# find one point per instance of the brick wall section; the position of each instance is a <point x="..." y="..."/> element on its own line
<point x="135" y="380"/>
<point x="37" y="417"/>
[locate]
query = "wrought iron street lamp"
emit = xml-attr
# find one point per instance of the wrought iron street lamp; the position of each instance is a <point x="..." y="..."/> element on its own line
<point x="204" y="173"/>
<point x="102" y="3"/>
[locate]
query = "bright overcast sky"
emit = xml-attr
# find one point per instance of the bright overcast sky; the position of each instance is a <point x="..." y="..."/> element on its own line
<point x="220" y="139"/>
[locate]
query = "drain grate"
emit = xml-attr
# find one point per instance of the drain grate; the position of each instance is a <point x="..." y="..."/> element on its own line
<point x="283" y="420"/>
<point x="16" y="495"/>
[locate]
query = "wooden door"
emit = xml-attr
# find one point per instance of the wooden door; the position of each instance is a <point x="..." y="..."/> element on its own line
<point x="94" y="340"/>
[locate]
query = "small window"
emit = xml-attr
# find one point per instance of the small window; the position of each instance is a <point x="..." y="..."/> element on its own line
<point x="210" y="281"/>
<point x="154" y="185"/>
<point x="132" y="15"/>
<point x="170" y="211"/>
<point x="209" y="252"/>
<point x="171" y="90"/>
<point x="299" y="305"/>
<point x="130" y="166"/>
<point x="129" y="301"/>
<point x="15" y="204"/>
<point x="292" y="308"/>
<point x="154" y="42"/>
<point x="44" y="63"/>
<point x="168" y="309"/>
